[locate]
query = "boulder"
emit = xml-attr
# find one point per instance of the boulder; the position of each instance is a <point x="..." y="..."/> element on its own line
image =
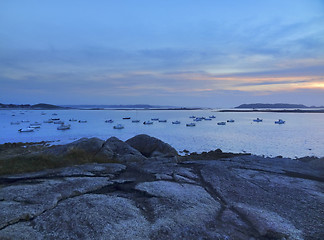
<point x="152" y="147"/>
<point x="87" y="145"/>
<point x="120" y="151"/>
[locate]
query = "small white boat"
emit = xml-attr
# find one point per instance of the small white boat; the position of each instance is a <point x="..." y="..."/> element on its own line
<point x="230" y="121"/>
<point x="190" y="124"/>
<point x="176" y="122"/>
<point x="147" y="123"/>
<point x="135" y="121"/>
<point x="26" y="130"/>
<point x="58" y="122"/>
<point x="64" y="127"/>
<point x="83" y="121"/>
<point x="164" y="121"/>
<point x="109" y="121"/>
<point x="118" y="126"/>
<point x="73" y="120"/>
<point x="280" y="121"/>
<point x="221" y="123"/>
<point x="35" y="125"/>
<point x="212" y="116"/>
<point x="48" y="121"/>
<point x="15" y="123"/>
<point x="257" y="120"/>
<point x="198" y="119"/>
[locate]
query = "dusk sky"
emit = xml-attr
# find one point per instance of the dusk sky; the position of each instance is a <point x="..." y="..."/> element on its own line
<point x="170" y="52"/>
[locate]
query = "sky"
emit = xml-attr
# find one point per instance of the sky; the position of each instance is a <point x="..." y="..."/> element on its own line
<point x="170" y="52"/>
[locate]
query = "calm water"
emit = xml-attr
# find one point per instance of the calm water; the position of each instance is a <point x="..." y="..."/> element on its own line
<point x="301" y="135"/>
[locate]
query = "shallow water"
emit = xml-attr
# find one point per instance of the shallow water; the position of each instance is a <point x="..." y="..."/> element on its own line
<point x="301" y="135"/>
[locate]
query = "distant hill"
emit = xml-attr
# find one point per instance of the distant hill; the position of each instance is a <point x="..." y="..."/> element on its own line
<point x="141" y="106"/>
<point x="28" y="106"/>
<point x="269" y="105"/>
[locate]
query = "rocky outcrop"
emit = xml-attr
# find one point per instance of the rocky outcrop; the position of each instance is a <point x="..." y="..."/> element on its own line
<point x="152" y="147"/>
<point x="239" y="197"/>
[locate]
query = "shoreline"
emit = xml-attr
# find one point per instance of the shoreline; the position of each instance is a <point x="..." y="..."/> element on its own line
<point x="272" y="110"/>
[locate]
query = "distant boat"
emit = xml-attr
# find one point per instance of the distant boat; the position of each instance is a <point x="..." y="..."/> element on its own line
<point x="83" y="121"/>
<point x="41" y="113"/>
<point x="280" y="121"/>
<point x="257" y="120"/>
<point x="207" y="119"/>
<point x="118" y="126"/>
<point x="55" y="119"/>
<point x="163" y="120"/>
<point x="198" y="119"/>
<point x="221" y="123"/>
<point x="54" y="114"/>
<point x="48" y="121"/>
<point x="154" y="119"/>
<point x="135" y="121"/>
<point x="24" y="121"/>
<point x="212" y="116"/>
<point x="109" y="121"/>
<point x="64" y="127"/>
<point x="58" y="122"/>
<point x="190" y="124"/>
<point x="147" y="123"/>
<point x="73" y="120"/>
<point x="176" y="122"/>
<point x="126" y="118"/>
<point x="192" y="117"/>
<point x="34" y="125"/>
<point x="26" y="130"/>
<point x="15" y="123"/>
<point x="230" y="121"/>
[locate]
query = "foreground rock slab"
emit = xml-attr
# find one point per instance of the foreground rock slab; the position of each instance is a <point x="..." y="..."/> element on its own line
<point x="243" y="197"/>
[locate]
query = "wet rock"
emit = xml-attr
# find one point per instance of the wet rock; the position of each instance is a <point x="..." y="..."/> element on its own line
<point x="152" y="147"/>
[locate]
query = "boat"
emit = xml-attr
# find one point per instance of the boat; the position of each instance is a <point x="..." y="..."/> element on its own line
<point x="43" y="113"/>
<point x="26" y="130"/>
<point x="15" y="123"/>
<point x="135" y="121"/>
<point x="230" y="121"/>
<point x="48" y="121"/>
<point x="54" y="114"/>
<point x="176" y="122"/>
<point x="24" y="121"/>
<point x="198" y="119"/>
<point x="73" y="120"/>
<point x="221" y="123"/>
<point x="154" y="119"/>
<point x="257" y="120"/>
<point x="190" y="124"/>
<point x="126" y="118"/>
<point x="212" y="116"/>
<point x="192" y="117"/>
<point x="118" y="126"/>
<point x="64" y="127"/>
<point x="83" y="121"/>
<point x="280" y="121"/>
<point x="207" y="119"/>
<point x="147" y="123"/>
<point x="163" y="120"/>
<point x="34" y="125"/>
<point x="109" y="121"/>
<point x="55" y="119"/>
<point x="58" y="122"/>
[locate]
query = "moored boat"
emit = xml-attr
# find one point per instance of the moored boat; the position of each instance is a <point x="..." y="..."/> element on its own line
<point x="109" y="121"/>
<point x="26" y="130"/>
<point x="230" y="121"/>
<point x="83" y="121"/>
<point x="221" y="123"/>
<point x="190" y="124"/>
<point x="64" y="127"/>
<point x="280" y="121"/>
<point x="257" y="120"/>
<point x="164" y="121"/>
<point x="135" y="121"/>
<point x="147" y="123"/>
<point x="118" y="126"/>
<point x="176" y="122"/>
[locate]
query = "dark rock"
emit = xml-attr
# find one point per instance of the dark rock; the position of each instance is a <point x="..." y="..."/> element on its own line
<point x="116" y="149"/>
<point x="152" y="147"/>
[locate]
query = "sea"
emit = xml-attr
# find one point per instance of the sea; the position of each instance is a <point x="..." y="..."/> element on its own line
<point x="301" y="135"/>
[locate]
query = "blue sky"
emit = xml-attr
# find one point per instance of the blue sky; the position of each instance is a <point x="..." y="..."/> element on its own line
<point x="182" y="53"/>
